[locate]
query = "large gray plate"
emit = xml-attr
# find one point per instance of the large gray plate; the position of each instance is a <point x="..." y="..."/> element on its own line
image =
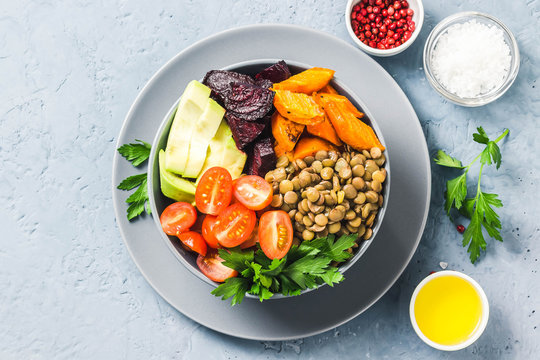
<point x="383" y="262"/>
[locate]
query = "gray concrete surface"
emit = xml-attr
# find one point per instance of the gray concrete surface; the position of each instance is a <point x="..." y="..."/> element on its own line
<point x="69" y="71"/>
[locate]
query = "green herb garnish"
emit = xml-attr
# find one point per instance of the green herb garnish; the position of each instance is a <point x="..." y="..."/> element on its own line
<point x="305" y="266"/>
<point x="479" y="209"/>
<point x="136" y="153"/>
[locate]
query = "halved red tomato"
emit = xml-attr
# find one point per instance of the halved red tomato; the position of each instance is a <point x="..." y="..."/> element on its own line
<point x="194" y="241"/>
<point x="178" y="218"/>
<point x="253" y="192"/>
<point x="208" y="231"/>
<point x="234" y="200"/>
<point x="275" y="233"/>
<point x="235" y="225"/>
<point x="214" y="191"/>
<point x="211" y="266"/>
<point x="253" y="239"/>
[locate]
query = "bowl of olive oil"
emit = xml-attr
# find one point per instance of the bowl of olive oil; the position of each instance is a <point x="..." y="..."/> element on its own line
<point x="449" y="310"/>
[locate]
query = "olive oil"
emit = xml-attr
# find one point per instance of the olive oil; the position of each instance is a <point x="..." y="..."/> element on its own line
<point x="448" y="310"/>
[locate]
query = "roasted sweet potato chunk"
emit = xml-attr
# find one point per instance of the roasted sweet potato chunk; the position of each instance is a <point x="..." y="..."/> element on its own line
<point x="325" y="130"/>
<point x="350" y="129"/>
<point x="322" y="99"/>
<point x="298" y="107"/>
<point x="307" y="81"/>
<point x="285" y="131"/>
<point x="310" y="145"/>
<point x="328" y="89"/>
<point x="280" y="152"/>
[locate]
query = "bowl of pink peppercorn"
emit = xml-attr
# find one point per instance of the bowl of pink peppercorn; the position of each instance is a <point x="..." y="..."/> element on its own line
<point x="384" y="27"/>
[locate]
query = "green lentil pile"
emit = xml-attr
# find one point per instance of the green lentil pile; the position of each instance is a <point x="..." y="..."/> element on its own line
<point x="331" y="192"/>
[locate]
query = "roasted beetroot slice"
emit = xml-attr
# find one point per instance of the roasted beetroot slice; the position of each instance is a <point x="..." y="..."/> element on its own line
<point x="220" y="82"/>
<point x="263" y="158"/>
<point x="249" y="102"/>
<point x="244" y="132"/>
<point x="267" y="131"/>
<point x="275" y="73"/>
<point x="264" y="83"/>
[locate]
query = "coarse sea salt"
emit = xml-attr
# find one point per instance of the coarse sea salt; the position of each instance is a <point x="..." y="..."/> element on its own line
<point x="471" y="59"/>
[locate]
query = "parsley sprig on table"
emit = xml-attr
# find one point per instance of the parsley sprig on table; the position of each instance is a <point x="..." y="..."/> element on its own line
<point x="480" y="208"/>
<point x="305" y="266"/>
<point x="136" y="153"/>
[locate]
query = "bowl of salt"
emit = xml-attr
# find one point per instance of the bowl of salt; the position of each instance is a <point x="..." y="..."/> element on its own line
<point x="471" y="58"/>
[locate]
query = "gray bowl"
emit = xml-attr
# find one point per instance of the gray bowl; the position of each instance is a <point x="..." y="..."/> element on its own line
<point x="158" y="202"/>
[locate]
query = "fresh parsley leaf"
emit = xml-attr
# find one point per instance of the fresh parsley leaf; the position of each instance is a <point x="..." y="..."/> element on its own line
<point x="248" y="273"/>
<point x="492" y="199"/>
<point x="467" y="208"/>
<point x="444" y="159"/>
<point x="256" y="271"/>
<point x="275" y="285"/>
<point x="332" y="276"/>
<point x="484" y="208"/>
<point x="481" y="208"/>
<point x="456" y="192"/>
<point x="480" y="137"/>
<point x="337" y="250"/>
<point x="474" y="238"/>
<point x="135" y="153"/>
<point x="305" y="266"/>
<point x="306" y="248"/>
<point x="495" y="153"/>
<point x="265" y="294"/>
<point x="299" y="279"/>
<point x="265" y="280"/>
<point x="137" y="202"/>
<point x="491" y="153"/>
<point x="236" y="259"/>
<point x="288" y="287"/>
<point x="308" y="265"/>
<point x="260" y="258"/>
<point x="233" y="287"/>
<point x="275" y="267"/>
<point x="262" y="292"/>
<point x="492" y="231"/>
<point x="132" y="182"/>
<point x="304" y="270"/>
<point x="255" y="288"/>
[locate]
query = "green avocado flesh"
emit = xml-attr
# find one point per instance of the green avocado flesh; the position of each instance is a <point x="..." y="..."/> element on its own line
<point x="191" y="107"/>
<point x="203" y="132"/>
<point x="199" y="139"/>
<point x="222" y="151"/>
<point x="172" y="185"/>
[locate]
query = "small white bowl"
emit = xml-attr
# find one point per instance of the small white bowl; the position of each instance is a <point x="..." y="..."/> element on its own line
<point x="418" y="19"/>
<point x="460" y="18"/>
<point x="483" y="321"/>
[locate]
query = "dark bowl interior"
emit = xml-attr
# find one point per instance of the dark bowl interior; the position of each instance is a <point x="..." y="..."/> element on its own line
<point x="159" y="202"/>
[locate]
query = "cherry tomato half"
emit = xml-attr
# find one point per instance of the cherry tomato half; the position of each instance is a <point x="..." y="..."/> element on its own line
<point x="275" y="233"/>
<point x="178" y="218"/>
<point x="253" y="239"/>
<point x="208" y="231"/>
<point x="234" y="200"/>
<point x="211" y="266"/>
<point x="235" y="225"/>
<point x="194" y="241"/>
<point x="253" y="192"/>
<point x="214" y="191"/>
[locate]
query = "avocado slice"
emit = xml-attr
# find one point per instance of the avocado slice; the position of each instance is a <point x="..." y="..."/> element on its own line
<point x="172" y="185"/>
<point x="222" y="151"/>
<point x="203" y="132"/>
<point x="190" y="109"/>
